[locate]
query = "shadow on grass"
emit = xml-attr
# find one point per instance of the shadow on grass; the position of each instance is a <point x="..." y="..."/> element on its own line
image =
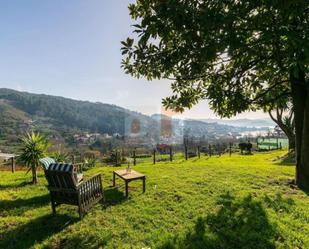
<point x="81" y="240"/>
<point x="287" y="160"/>
<point x="113" y="196"/>
<point x="19" y="206"/>
<point x="19" y="182"/>
<point x="279" y="203"/>
<point x="236" y="224"/>
<point x="35" y="231"/>
<point x="12" y="186"/>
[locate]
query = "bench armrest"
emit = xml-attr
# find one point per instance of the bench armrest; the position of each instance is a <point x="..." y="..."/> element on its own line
<point x="92" y="185"/>
<point x="79" y="167"/>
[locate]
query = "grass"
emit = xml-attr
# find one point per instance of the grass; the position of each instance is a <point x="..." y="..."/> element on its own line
<point x="226" y="202"/>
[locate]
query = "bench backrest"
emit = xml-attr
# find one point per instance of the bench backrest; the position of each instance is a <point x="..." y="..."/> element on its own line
<point x="46" y="161"/>
<point x="60" y="176"/>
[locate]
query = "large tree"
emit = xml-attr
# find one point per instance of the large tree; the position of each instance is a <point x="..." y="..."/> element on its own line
<point x="237" y="54"/>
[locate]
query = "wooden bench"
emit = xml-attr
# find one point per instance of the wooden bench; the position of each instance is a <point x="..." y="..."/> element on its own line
<point x="65" y="189"/>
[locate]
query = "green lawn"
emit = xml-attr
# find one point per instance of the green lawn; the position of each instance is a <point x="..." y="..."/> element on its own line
<point x="226" y="202"/>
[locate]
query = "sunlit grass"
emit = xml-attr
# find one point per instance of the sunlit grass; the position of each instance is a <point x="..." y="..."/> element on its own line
<point x="217" y="202"/>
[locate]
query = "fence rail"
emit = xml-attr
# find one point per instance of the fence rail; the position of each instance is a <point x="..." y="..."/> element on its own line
<point x="9" y="162"/>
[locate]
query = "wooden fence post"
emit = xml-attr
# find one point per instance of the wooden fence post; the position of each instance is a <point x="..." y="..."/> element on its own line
<point x="198" y="152"/>
<point x="122" y="155"/>
<point x="210" y="152"/>
<point x="186" y="152"/>
<point x="230" y="149"/>
<point x="73" y="159"/>
<point x="154" y="156"/>
<point x="277" y="144"/>
<point x="13" y="164"/>
<point x="116" y="154"/>
<point x="134" y="157"/>
<point x="171" y="154"/>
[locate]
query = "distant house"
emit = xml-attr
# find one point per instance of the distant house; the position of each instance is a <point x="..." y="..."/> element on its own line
<point x="106" y="136"/>
<point x="81" y="138"/>
<point x="116" y="135"/>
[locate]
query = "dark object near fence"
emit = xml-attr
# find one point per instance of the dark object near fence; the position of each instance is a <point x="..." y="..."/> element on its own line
<point x="65" y="189"/>
<point x="247" y="147"/>
<point x="115" y="157"/>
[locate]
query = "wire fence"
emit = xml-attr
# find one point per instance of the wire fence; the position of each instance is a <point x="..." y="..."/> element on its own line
<point x="167" y="153"/>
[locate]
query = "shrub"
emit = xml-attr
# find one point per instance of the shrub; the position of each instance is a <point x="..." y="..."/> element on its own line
<point x="89" y="163"/>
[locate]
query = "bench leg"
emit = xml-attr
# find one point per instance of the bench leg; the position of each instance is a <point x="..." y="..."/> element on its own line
<point x="53" y="206"/>
<point x="114" y="179"/>
<point x="80" y="212"/>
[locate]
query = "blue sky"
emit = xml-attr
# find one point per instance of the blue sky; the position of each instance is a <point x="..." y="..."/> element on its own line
<point x="71" y="48"/>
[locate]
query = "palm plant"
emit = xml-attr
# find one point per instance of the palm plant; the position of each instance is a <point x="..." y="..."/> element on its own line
<point x="34" y="147"/>
<point x="59" y="156"/>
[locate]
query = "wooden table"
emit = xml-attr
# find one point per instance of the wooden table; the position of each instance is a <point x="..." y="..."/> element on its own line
<point x="128" y="177"/>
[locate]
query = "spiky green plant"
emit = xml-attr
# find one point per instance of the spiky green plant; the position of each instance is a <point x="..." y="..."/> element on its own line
<point x="34" y="147"/>
<point x="60" y="157"/>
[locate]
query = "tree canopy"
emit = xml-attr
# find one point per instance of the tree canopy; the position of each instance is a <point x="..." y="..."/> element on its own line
<point x="230" y="52"/>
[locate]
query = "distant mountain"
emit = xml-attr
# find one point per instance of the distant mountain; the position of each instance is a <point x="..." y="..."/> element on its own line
<point x="61" y="118"/>
<point x="200" y="128"/>
<point x="51" y="113"/>
<point x="242" y="122"/>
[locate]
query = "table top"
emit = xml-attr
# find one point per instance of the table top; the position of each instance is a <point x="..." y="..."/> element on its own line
<point x="122" y="173"/>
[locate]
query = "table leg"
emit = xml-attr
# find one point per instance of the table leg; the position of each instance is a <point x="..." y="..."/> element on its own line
<point x="114" y="179"/>
<point x="127" y="188"/>
<point x="144" y="184"/>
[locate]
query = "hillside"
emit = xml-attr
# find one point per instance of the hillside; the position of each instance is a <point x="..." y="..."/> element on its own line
<point x="63" y="117"/>
<point x="242" y="122"/>
<point x="65" y="112"/>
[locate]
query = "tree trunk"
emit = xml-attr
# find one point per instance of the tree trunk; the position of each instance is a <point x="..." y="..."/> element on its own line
<point x="291" y="137"/>
<point x="303" y="180"/>
<point x="34" y="175"/>
<point x="288" y="131"/>
<point x="291" y="142"/>
<point x="300" y="96"/>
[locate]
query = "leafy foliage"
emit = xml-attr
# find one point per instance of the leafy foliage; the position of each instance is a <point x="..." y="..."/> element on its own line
<point x="59" y="156"/>
<point x="240" y="55"/>
<point x="34" y="147"/>
<point x="237" y="54"/>
<point x="89" y="163"/>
